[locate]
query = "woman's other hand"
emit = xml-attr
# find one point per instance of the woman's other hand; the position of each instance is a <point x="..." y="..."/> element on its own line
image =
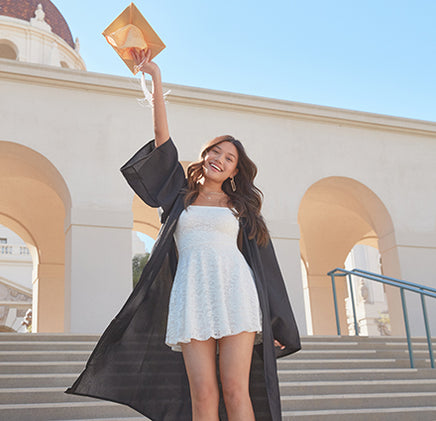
<point x="278" y="344"/>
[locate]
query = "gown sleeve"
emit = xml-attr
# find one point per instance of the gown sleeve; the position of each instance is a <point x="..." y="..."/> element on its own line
<point x="155" y="174"/>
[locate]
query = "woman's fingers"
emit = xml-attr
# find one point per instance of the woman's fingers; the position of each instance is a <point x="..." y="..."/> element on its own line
<point x="141" y="57"/>
<point x="148" y="54"/>
<point x="135" y="55"/>
<point x="278" y="344"/>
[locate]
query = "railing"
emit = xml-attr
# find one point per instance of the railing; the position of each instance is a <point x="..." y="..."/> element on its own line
<point x="14" y="250"/>
<point x="422" y="290"/>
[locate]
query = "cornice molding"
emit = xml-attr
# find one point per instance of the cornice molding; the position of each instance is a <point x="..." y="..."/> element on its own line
<point x="126" y="86"/>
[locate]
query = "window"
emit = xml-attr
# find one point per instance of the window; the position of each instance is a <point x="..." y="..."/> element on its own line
<point x="8" y="50"/>
<point x="3" y="240"/>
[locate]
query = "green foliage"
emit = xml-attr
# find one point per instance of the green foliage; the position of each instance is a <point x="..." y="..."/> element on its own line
<point x="138" y="263"/>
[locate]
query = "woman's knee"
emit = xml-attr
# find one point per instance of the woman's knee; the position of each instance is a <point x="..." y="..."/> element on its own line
<point x="205" y="394"/>
<point x="235" y="391"/>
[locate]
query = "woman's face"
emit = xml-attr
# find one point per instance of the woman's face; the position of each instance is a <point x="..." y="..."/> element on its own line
<point x="220" y="162"/>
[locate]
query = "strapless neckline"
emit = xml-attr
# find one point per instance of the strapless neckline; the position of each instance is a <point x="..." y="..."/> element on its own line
<point x="207" y="206"/>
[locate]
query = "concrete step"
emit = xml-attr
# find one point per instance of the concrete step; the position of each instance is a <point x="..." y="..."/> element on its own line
<point x="110" y="419"/>
<point x="41" y="367"/>
<point x="38" y="395"/>
<point x="357" y="353"/>
<point x="94" y="409"/>
<point x="373" y="414"/>
<point x="19" y="346"/>
<point x="356" y="386"/>
<point x="57" y="337"/>
<point x="356" y="374"/>
<point x="82" y="355"/>
<point x="37" y="380"/>
<point x="363" y="339"/>
<point x="65" y="380"/>
<point x="17" y="367"/>
<point x="358" y="401"/>
<point x="362" y="345"/>
<point x="421" y="356"/>
<point x="29" y="356"/>
<point x="351" y="363"/>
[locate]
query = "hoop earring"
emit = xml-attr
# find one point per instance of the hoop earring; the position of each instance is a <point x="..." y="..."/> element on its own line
<point x="233" y="184"/>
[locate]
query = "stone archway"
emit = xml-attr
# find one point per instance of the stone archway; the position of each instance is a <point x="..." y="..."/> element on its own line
<point x="145" y="218"/>
<point x="336" y="213"/>
<point x="34" y="201"/>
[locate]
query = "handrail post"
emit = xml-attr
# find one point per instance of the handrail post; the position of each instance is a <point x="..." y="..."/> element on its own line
<point x="406" y="324"/>
<point x="356" y="326"/>
<point x="427" y="330"/>
<point x="335" y="300"/>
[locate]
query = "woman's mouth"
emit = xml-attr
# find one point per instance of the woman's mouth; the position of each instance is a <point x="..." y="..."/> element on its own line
<point x="215" y="167"/>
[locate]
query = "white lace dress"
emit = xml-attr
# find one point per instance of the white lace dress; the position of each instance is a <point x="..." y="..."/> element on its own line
<point x="213" y="294"/>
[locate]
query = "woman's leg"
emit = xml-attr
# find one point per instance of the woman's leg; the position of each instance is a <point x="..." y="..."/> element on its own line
<point x="235" y="354"/>
<point x="200" y="363"/>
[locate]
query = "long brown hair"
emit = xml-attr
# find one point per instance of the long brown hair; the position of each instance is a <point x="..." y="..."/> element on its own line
<point x="246" y="200"/>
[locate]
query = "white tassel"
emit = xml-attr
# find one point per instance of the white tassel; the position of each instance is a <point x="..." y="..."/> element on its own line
<point x="147" y="101"/>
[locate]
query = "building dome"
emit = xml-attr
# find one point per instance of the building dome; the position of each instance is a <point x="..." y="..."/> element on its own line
<point x="25" y="10"/>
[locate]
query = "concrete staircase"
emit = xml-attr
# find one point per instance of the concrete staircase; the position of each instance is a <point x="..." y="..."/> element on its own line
<point x="333" y="378"/>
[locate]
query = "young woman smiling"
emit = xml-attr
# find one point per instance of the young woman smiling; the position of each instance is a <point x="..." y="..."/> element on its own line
<point x="211" y="289"/>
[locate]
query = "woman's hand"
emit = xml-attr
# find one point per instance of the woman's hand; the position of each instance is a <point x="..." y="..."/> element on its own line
<point x="278" y="344"/>
<point x="142" y="62"/>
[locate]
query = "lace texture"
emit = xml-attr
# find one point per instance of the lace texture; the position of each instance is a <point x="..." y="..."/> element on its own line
<point x="213" y="293"/>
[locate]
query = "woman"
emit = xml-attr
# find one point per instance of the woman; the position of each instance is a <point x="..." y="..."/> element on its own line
<point x="198" y="293"/>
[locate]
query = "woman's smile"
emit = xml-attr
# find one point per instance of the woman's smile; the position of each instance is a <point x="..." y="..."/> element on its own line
<point x="215" y="167"/>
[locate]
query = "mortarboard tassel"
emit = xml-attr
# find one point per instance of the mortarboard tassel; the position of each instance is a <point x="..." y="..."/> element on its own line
<point x="148" y="97"/>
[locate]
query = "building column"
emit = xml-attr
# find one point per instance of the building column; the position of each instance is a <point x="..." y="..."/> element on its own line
<point x="48" y="302"/>
<point x="286" y="241"/>
<point x="98" y="268"/>
<point x="391" y="267"/>
<point x="322" y="303"/>
<point x="417" y="257"/>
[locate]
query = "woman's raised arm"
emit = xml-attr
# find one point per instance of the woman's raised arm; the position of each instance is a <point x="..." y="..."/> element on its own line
<point x="160" y="121"/>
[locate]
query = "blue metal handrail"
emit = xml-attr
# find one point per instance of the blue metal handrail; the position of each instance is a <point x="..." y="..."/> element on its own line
<point x="422" y="290"/>
<point x="400" y="281"/>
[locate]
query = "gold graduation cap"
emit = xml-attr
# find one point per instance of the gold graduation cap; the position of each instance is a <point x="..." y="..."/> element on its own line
<point x="131" y="30"/>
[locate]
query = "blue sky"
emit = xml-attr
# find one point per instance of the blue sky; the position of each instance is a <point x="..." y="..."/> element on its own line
<point x="369" y="55"/>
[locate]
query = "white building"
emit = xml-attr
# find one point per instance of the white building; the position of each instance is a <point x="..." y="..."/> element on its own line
<point x="332" y="179"/>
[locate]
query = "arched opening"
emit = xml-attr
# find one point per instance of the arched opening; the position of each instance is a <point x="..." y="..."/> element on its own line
<point x="16" y="267"/>
<point x="145" y="218"/>
<point x="33" y="204"/>
<point x="8" y="50"/>
<point x="369" y="297"/>
<point x="335" y="214"/>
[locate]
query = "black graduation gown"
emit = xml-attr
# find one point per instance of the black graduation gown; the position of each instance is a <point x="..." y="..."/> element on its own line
<point x="131" y="363"/>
